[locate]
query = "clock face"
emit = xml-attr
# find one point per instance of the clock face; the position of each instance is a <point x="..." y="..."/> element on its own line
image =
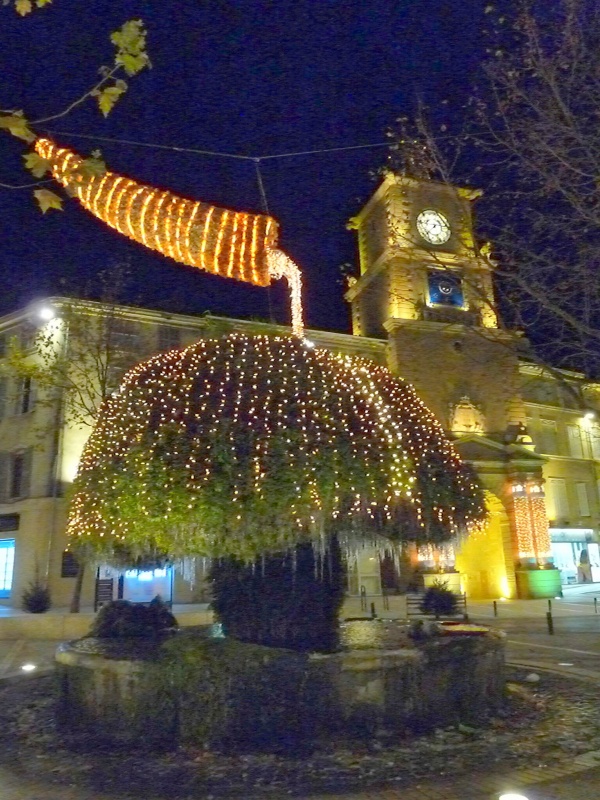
<point x="433" y="226"/>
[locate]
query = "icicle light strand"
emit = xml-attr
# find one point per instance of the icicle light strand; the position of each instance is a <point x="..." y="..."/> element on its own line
<point x="248" y="444"/>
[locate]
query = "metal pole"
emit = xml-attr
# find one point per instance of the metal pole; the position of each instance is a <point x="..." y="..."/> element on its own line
<point x="550" y="622"/>
<point x="549" y="606"/>
<point x="495" y="608"/>
<point x="363" y="598"/>
<point x="595" y="605"/>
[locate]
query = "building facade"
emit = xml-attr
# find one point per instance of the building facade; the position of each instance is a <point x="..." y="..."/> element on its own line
<point x="423" y="304"/>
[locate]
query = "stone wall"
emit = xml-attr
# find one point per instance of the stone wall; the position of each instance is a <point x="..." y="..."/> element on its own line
<point x="191" y="691"/>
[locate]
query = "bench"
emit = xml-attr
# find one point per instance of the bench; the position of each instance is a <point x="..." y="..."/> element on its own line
<point x="413" y="606"/>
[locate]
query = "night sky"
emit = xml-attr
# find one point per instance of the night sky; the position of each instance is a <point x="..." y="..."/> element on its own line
<point x="250" y="78"/>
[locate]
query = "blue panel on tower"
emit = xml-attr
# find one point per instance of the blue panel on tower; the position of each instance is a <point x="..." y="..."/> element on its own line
<point x="445" y="289"/>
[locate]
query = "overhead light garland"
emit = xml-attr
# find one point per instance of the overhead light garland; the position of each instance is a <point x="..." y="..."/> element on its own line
<point x="228" y="243"/>
<point x="250" y="444"/>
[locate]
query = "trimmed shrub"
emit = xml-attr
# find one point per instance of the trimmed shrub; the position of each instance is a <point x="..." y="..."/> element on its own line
<point x="439" y="601"/>
<point x="121" y="619"/>
<point x="290" y="600"/>
<point x="36" y="599"/>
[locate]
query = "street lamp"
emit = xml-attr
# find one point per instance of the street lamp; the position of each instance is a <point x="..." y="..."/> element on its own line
<point x="46" y="313"/>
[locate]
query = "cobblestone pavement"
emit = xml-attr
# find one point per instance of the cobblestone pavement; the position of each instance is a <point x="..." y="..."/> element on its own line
<point x="580" y="783"/>
<point x="573" y="649"/>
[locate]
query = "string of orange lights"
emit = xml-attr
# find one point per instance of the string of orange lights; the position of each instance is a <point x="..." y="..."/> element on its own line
<point x="231" y="244"/>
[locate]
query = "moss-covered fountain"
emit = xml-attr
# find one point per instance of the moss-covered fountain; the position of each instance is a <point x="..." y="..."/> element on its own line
<point x="277" y="461"/>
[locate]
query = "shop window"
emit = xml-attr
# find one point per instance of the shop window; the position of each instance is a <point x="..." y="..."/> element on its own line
<point x="7" y="562"/>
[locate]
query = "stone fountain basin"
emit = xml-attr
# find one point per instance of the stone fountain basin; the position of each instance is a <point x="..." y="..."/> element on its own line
<point x="381" y="681"/>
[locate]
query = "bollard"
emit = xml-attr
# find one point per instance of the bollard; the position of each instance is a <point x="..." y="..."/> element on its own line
<point x="495" y="608"/>
<point x="550" y="622"/>
<point x="595" y="605"/>
<point x="549" y="606"/>
<point x="373" y="612"/>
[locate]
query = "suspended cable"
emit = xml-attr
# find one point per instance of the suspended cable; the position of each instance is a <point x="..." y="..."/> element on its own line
<point x="134" y="143"/>
<point x="217" y="153"/>
<point x="325" y="150"/>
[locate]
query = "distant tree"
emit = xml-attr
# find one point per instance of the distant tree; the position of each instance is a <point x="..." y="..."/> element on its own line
<point x="530" y="139"/>
<point x="75" y="361"/>
<point x="539" y="142"/>
<point x="130" y="58"/>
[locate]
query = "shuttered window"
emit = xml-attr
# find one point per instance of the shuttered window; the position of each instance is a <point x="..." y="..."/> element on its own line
<point x="19" y="478"/>
<point x="4" y="470"/>
<point x="595" y="439"/>
<point x="557" y="499"/>
<point x="583" y="499"/>
<point x="548" y="442"/>
<point x="575" y="445"/>
<point x="3" y="394"/>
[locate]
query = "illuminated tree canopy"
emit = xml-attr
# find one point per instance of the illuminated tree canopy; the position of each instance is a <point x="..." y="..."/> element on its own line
<point x="245" y="445"/>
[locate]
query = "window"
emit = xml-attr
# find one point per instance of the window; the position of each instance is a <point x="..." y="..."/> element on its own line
<point x="24" y="398"/>
<point x="114" y="373"/>
<point x="575" y="444"/>
<point x="9" y="522"/>
<point x="123" y="335"/>
<point x="169" y="338"/>
<point x="557" y="500"/>
<point x="3" y="393"/>
<point x="445" y="288"/>
<point x="595" y="440"/>
<point x="548" y="440"/>
<point x="25" y="335"/>
<point x="7" y="562"/>
<point x="582" y="499"/>
<point x="69" y="565"/>
<point x="19" y="475"/>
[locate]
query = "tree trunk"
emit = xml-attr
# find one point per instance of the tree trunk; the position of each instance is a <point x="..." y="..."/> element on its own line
<point x="75" y="606"/>
<point x="289" y="600"/>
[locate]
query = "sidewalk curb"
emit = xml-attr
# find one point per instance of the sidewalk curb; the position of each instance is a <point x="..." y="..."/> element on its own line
<point x="585" y="675"/>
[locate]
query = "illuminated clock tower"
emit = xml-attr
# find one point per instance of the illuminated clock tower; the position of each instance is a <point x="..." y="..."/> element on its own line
<point x="426" y="288"/>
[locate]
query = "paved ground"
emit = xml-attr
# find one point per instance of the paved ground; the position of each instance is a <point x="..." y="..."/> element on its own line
<point x="573" y="649"/>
